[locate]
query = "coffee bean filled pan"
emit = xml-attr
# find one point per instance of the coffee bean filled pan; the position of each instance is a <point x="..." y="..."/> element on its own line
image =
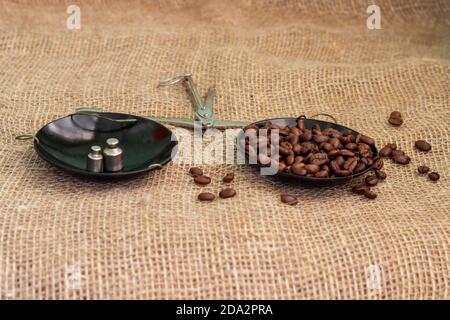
<point x="312" y="151"/>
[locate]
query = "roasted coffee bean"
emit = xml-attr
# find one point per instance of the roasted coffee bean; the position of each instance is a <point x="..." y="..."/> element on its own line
<point x="322" y="174"/>
<point x="281" y="166"/>
<point x="342" y="173"/>
<point x="195" y="171"/>
<point x="378" y="165"/>
<point x="402" y="159"/>
<point x="360" y="189"/>
<point x="395" y="118"/>
<point x="395" y="114"/>
<point x="393" y="146"/>
<point x="371" y="180"/>
<point x="333" y="154"/>
<point x="319" y="138"/>
<point x="396" y="121"/>
<point x="228" y="178"/>
<point x="312" y="168"/>
<point x="364" y="150"/>
<point x="289" y="199"/>
<point x="297" y="149"/>
<point x="306" y="136"/>
<point x="370" y="194"/>
<point x="299" y="168"/>
<point x="351" y="146"/>
<point x="434" y="176"/>
<point x="298" y="159"/>
<point x="381" y="174"/>
<point x="289" y="160"/>
<point x="422" y="145"/>
<point x="206" y="196"/>
<point x="340" y="161"/>
<point x="334" y="165"/>
<point x="346" y="153"/>
<point x="423" y="169"/>
<point x="336" y="143"/>
<point x="367" y="140"/>
<point x="396" y="153"/>
<point x="227" y="193"/>
<point x="326" y="146"/>
<point x="293" y="139"/>
<point x="367" y="161"/>
<point x="319" y="159"/>
<point x="202" y="180"/>
<point x="385" y="152"/>
<point x="350" y="164"/>
<point x="359" y="167"/>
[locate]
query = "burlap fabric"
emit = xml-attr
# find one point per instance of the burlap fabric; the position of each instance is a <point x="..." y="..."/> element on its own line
<point x="64" y="237"/>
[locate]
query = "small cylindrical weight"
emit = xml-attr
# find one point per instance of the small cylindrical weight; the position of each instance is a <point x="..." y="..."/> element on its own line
<point x="113" y="156"/>
<point x="95" y="160"/>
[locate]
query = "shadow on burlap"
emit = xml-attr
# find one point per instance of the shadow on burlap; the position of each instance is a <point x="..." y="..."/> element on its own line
<point x="63" y="237"/>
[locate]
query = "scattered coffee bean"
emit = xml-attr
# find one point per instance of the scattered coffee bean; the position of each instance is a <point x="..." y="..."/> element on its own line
<point x="228" y="178"/>
<point x="402" y="159"/>
<point x="195" y="171"/>
<point x="396" y="153"/>
<point x="385" y="152"/>
<point x="371" y="181"/>
<point x="360" y="189"/>
<point x="202" y="180"/>
<point x="395" y="119"/>
<point x="289" y="199"/>
<point x="370" y="194"/>
<point x="378" y="165"/>
<point x="422" y="145"/>
<point x="227" y="193"/>
<point x="434" y="176"/>
<point x="381" y="174"/>
<point x="423" y="169"/>
<point x="206" y="196"/>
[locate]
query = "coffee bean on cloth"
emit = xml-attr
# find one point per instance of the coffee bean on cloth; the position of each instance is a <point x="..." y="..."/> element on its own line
<point x="202" y="180"/>
<point x="228" y="178"/>
<point x="422" y="145"/>
<point x="423" y="169"/>
<point x="289" y="199"/>
<point x="195" y="172"/>
<point x="434" y="176"/>
<point x="395" y="119"/>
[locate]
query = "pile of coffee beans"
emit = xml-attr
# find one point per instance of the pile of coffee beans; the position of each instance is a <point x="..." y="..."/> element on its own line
<point x="321" y="153"/>
<point x="395" y="118"/>
<point x="203" y="180"/>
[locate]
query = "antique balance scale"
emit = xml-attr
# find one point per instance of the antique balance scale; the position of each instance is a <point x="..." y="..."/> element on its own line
<point x="146" y="143"/>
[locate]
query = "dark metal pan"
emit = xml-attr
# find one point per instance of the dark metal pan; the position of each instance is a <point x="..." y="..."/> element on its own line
<point x="65" y="142"/>
<point x="308" y="125"/>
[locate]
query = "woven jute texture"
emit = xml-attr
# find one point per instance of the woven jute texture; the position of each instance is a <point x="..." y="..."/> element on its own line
<point x="62" y="237"/>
